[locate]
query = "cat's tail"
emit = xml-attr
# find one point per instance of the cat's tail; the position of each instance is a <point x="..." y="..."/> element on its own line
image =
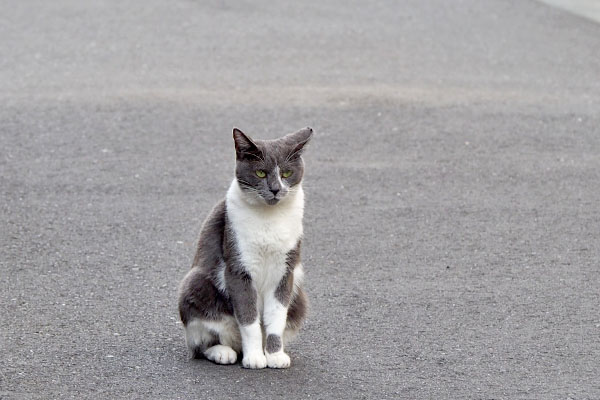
<point x="296" y="315"/>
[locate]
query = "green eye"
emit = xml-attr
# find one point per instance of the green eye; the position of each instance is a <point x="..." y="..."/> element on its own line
<point x="260" y="173"/>
<point x="287" y="174"/>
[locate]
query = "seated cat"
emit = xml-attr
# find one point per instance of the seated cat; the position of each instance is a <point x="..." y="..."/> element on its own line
<point x="244" y="291"/>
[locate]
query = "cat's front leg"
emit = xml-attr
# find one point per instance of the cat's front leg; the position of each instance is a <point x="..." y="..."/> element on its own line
<point x="276" y="304"/>
<point x="245" y="307"/>
<point x="254" y="357"/>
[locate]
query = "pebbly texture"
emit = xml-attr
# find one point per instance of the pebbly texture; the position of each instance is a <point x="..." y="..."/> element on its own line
<point x="451" y="227"/>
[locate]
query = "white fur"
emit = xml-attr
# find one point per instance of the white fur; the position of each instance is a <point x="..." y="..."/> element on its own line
<point x="199" y="332"/>
<point x="274" y="314"/>
<point x="196" y="334"/>
<point x="278" y="360"/>
<point x="264" y="236"/>
<point x="278" y="175"/>
<point x="298" y="278"/>
<point x="252" y="346"/>
<point x="221" y="354"/>
<point x="254" y="360"/>
<point x="227" y="331"/>
<point x="221" y="278"/>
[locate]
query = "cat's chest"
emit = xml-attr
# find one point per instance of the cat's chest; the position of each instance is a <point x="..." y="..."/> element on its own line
<point x="264" y="239"/>
<point x="265" y="235"/>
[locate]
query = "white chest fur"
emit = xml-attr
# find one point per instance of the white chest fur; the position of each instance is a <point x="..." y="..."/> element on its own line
<point x="265" y="234"/>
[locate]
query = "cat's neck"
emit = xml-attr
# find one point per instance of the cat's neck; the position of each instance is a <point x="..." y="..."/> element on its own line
<point x="293" y="200"/>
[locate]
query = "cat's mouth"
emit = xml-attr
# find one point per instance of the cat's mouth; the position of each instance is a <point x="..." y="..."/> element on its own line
<point x="272" y="201"/>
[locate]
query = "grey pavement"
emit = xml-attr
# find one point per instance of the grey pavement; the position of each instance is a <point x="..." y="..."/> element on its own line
<point x="453" y="190"/>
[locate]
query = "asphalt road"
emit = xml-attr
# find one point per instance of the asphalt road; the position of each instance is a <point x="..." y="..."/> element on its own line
<point x="453" y="193"/>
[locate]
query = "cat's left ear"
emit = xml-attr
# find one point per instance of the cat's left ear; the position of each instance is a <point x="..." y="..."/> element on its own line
<point x="298" y="141"/>
<point x="245" y="148"/>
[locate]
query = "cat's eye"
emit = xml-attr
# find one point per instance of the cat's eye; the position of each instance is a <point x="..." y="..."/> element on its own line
<point x="287" y="174"/>
<point x="260" y="173"/>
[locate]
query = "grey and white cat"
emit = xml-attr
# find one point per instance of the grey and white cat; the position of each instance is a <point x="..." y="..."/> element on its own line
<point x="244" y="291"/>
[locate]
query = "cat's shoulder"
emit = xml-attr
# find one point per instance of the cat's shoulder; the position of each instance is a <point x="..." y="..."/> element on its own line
<point x="215" y="221"/>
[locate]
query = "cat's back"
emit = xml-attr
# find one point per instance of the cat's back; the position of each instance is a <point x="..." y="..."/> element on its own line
<point x="210" y="243"/>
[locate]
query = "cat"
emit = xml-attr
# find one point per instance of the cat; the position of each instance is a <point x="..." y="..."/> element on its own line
<point x="244" y="291"/>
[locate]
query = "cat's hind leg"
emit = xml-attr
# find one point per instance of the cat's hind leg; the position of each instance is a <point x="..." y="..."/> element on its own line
<point x="204" y="339"/>
<point x="207" y="317"/>
<point x="221" y="354"/>
<point x="198" y="338"/>
<point x="229" y="341"/>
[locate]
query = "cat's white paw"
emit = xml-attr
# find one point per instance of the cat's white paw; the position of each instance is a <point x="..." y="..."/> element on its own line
<point x="256" y="360"/>
<point x="221" y="354"/>
<point x="278" y="360"/>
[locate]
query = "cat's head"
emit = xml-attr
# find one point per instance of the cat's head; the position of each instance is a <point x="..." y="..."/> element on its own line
<point x="269" y="170"/>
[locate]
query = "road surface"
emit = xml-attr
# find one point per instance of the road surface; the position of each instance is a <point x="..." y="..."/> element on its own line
<point x="453" y="188"/>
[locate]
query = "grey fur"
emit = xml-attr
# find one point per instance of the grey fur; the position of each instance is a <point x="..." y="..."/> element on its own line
<point x="199" y="296"/>
<point x="297" y="310"/>
<point x="217" y="252"/>
<point x="293" y="256"/>
<point x="242" y="293"/>
<point x="239" y="284"/>
<point x="273" y="157"/>
<point x="273" y="343"/>
<point x="283" y="292"/>
<point x="209" y="251"/>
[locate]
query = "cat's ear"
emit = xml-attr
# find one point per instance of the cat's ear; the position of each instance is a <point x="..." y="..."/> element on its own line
<point x="298" y="141"/>
<point x="245" y="148"/>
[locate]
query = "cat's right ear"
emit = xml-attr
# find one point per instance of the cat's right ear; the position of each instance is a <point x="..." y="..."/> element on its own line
<point x="245" y="148"/>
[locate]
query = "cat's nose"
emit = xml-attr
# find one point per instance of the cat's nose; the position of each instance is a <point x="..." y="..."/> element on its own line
<point x="274" y="191"/>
